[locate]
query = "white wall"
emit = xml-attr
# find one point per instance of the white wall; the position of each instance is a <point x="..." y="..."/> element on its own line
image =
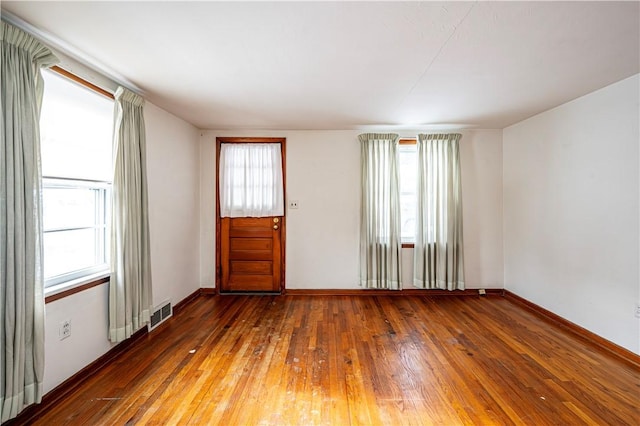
<point x="571" y="211"/>
<point x="173" y="178"/>
<point x="88" y="312"/>
<point x="322" y="237"/>
<point x="174" y="204"/>
<point x="481" y="164"/>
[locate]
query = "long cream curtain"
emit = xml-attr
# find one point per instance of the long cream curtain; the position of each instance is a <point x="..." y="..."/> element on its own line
<point x="438" y="253"/>
<point x="130" y="293"/>
<point x="21" y="267"/>
<point x="380" y="243"/>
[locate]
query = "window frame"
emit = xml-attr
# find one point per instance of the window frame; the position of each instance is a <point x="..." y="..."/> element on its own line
<point x="64" y="285"/>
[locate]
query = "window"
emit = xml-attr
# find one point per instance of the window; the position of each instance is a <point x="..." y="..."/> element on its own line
<point x="76" y="139"/>
<point x="251" y="180"/>
<point x="408" y="188"/>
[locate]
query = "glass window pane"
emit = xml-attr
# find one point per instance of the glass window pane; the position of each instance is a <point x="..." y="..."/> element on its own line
<point x="76" y="131"/>
<point x="71" y="208"/>
<point x="408" y="191"/>
<point x="68" y="251"/>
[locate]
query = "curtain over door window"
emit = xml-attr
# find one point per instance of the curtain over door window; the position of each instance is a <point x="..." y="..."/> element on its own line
<point x="251" y="180"/>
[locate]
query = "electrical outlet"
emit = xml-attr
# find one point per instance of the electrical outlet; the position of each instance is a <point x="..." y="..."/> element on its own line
<point x="293" y="204"/>
<point x="638" y="310"/>
<point x="65" y="329"/>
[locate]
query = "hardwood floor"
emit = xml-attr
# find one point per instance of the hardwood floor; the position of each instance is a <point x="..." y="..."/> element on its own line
<point x="341" y="360"/>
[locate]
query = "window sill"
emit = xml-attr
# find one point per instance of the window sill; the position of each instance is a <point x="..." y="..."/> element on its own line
<point x="411" y="245"/>
<point x="68" y="288"/>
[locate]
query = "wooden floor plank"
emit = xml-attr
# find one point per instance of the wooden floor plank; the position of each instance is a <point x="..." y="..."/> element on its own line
<point x="355" y="360"/>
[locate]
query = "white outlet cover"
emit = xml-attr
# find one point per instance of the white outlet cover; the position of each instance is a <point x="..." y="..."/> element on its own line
<point x="65" y="329"/>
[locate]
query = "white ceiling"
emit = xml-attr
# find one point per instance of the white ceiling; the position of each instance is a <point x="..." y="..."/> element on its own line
<point x="332" y="65"/>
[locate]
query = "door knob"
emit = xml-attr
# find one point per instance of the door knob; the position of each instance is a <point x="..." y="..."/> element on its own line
<point x="275" y="227"/>
<point x="276" y="220"/>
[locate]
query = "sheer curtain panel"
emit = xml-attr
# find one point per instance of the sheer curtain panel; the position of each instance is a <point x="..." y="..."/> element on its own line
<point x="251" y="180"/>
<point x="21" y="267"/>
<point x="130" y="296"/>
<point x="438" y="254"/>
<point x="380" y="244"/>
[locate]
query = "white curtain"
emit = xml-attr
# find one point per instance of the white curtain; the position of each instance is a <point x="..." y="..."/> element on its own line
<point x="21" y="267"/>
<point x="130" y="295"/>
<point x="251" y="180"/>
<point x="380" y="244"/>
<point x="438" y="250"/>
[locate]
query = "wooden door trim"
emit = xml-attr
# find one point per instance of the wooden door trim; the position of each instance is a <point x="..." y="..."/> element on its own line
<point x="219" y="142"/>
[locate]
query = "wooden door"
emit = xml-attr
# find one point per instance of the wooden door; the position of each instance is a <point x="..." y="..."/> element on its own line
<point x="250" y="251"/>
<point x="251" y="254"/>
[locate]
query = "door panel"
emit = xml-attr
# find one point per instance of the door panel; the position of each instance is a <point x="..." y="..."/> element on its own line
<point x="250" y="232"/>
<point x="251" y="244"/>
<point x="256" y="267"/>
<point x="250" y="283"/>
<point x="251" y="254"/>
